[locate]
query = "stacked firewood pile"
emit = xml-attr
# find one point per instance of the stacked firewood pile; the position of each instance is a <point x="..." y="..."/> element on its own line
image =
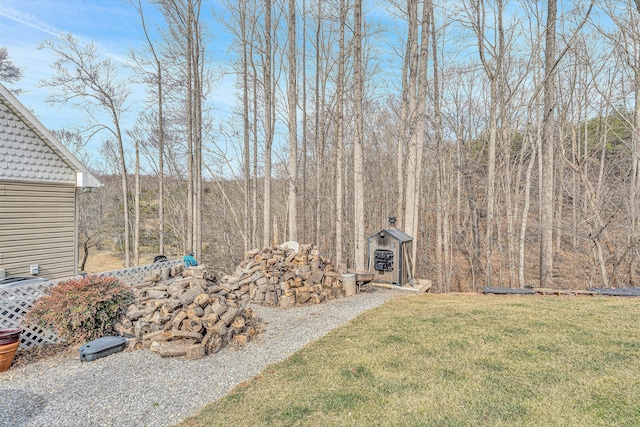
<point x="188" y="312"/>
<point x="280" y="276"/>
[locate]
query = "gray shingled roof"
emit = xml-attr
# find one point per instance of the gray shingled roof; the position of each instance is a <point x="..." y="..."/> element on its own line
<point x="397" y="234"/>
<point x="29" y="152"/>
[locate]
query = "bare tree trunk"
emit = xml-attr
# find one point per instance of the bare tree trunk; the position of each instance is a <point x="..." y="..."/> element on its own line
<point x="423" y="66"/>
<point x="415" y="130"/>
<point x="442" y="186"/>
<point x="197" y="100"/>
<point x="318" y="133"/>
<point x="304" y="118"/>
<point x="634" y="187"/>
<point x="340" y="136"/>
<point x="246" y="149"/>
<point x="254" y="181"/>
<point x="160" y="161"/>
<point x="405" y="110"/>
<point x="525" y="208"/>
<point x="293" y="125"/>
<point x="358" y="155"/>
<point x="268" y="125"/>
<point x="546" y="191"/>
<point x="136" y="208"/>
<point x="190" y="149"/>
<point x="160" y="132"/>
<point x="493" y="70"/>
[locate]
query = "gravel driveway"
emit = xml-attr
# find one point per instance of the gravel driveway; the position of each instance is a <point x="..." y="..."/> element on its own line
<point x="140" y="388"/>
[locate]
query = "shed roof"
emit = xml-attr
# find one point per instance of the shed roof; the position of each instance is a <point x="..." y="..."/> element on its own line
<point x="397" y="234"/>
<point x="31" y="152"/>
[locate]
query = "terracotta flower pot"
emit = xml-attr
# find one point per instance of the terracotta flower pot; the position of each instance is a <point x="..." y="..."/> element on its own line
<point x="9" y="343"/>
<point x="7" y="353"/>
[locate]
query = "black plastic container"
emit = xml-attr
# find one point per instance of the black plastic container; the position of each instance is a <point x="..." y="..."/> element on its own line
<point x="101" y="347"/>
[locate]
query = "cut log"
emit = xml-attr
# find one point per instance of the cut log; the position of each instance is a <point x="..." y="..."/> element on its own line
<point x="174" y="348"/>
<point x="154" y="276"/>
<point x="202" y="300"/>
<point x="238" y="324"/>
<point x="156" y="294"/>
<point x="177" y="270"/>
<point x="155" y="317"/>
<point x="240" y="340"/>
<point x="220" y="328"/>
<point x="194" y="324"/>
<point x="157" y="336"/>
<point x="195" y="352"/>
<point x="174" y="303"/>
<point x="195" y="336"/>
<point x="302" y="289"/>
<point x="195" y="311"/>
<point x="213" y="343"/>
<point x="228" y="316"/>
<point x="141" y="329"/>
<point x="288" y="301"/>
<point x="209" y="320"/>
<point x="165" y="273"/>
<point x="134" y="344"/>
<point x="178" y="318"/>
<point x="317" y="276"/>
<point x="303" y="297"/>
<point x="218" y="307"/>
<point x="134" y="314"/>
<point x="270" y="298"/>
<point x="188" y="297"/>
<point x="165" y="310"/>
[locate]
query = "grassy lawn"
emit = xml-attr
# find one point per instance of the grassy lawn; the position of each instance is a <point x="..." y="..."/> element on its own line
<point x="456" y="360"/>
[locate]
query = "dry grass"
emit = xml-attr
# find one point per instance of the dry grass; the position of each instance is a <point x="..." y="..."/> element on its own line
<point x="101" y="261"/>
<point x="456" y="360"/>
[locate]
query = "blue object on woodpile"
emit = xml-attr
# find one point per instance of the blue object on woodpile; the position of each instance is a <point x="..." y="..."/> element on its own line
<point x="101" y="347"/>
<point x="617" y="292"/>
<point x="514" y="291"/>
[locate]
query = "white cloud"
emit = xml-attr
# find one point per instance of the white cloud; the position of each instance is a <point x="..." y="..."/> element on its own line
<point x="28" y="20"/>
<point x="33" y="22"/>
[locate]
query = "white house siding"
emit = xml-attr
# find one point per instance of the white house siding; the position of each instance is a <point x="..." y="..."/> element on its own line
<point x="37" y="226"/>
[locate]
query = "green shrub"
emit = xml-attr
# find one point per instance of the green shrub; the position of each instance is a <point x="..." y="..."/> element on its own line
<point x="83" y="309"/>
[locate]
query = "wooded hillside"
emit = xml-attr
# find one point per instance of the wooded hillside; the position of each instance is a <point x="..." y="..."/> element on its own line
<point x="503" y="135"/>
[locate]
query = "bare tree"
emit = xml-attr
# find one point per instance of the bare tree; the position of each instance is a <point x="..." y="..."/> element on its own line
<point x="358" y="143"/>
<point x="156" y="77"/>
<point x="492" y="66"/>
<point x="184" y="41"/>
<point x="85" y="81"/>
<point x="9" y="72"/>
<point x="269" y="123"/>
<point x="340" y="135"/>
<point x="546" y="190"/>
<point x="292" y="94"/>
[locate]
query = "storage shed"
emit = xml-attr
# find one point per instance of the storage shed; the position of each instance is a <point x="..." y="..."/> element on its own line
<point x="390" y="256"/>
<point x="40" y="181"/>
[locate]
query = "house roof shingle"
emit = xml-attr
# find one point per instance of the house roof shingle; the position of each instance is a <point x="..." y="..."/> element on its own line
<point x="29" y="152"/>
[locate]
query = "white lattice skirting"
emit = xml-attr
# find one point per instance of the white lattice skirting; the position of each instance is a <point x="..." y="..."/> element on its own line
<point x="15" y="302"/>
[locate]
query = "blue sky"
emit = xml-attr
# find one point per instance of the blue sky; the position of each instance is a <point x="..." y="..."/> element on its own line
<point x="112" y="25"/>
